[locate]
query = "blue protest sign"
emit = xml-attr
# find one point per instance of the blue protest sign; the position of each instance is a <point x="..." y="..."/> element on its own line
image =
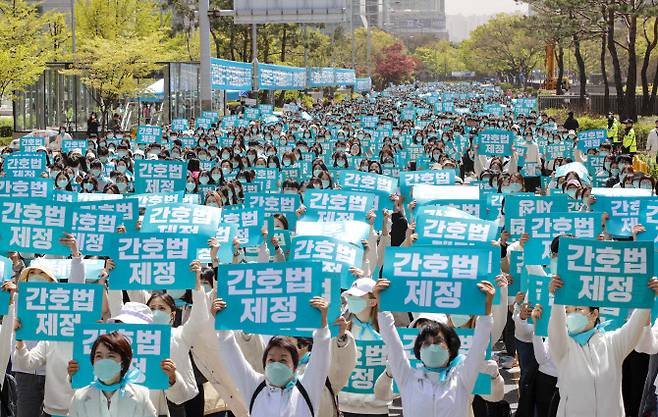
<point x="33" y="225"/>
<point x="444" y="107"/>
<point x="362" y="84"/>
<point x="345" y="76"/>
<point x="351" y="231"/>
<point x="438" y="194"/>
<point x="50" y="311"/>
<point x="433" y="177"/>
<point x="542" y="228"/>
<point x="225" y="234"/>
<point x="278" y="77"/>
<point x="180" y="125"/>
<point x="26" y="188"/>
<point x="149" y="134"/>
<point x="154" y="199"/>
<point x="437" y="279"/>
<point x="61" y="268"/>
<point x="153" y="261"/>
<point x="151" y="344"/>
<point x="561" y="149"/>
<point x="203" y="123"/>
<point x="538" y="283"/>
<point x="31" y="143"/>
<point x="25" y="165"/>
<point x="470" y="209"/>
<point x="371" y="356"/>
<point x="591" y="139"/>
<point x="379" y="185"/>
<point x="94" y="231"/>
<point x="441" y="230"/>
<point x="337" y="257"/>
<point x="516" y="269"/>
<point x="230" y="75"/>
<point x="70" y="145"/>
<point x="127" y="208"/>
<point x="649" y="219"/>
<point x="266" y="298"/>
<point x="6" y="272"/>
<point x="605" y="273"/>
<point x="336" y="205"/>
<point x="623" y="212"/>
<point x="286" y="204"/>
<point x="494" y="142"/>
<point x="519" y="209"/>
<point x="321" y="77"/>
<point x="156" y="176"/>
<point x="185" y="219"/>
<point x="249" y="223"/>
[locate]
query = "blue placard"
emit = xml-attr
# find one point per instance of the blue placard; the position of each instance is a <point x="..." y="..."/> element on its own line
<point x="154" y="199"/>
<point x="51" y="311"/>
<point x="362" y="84"/>
<point x="149" y="134"/>
<point x="25" y="165"/>
<point x="623" y="212"/>
<point x="495" y="142"/>
<point x="31" y="143"/>
<point x="94" y="230"/>
<point x="150" y="344"/>
<point x="442" y="230"/>
<point x="26" y="188"/>
<point x="337" y="257"/>
<point x="153" y="261"/>
<point x="451" y="208"/>
<point x="441" y="194"/>
<point x="127" y="208"/>
<point x="278" y="77"/>
<point x="225" y="234"/>
<point x="230" y="75"/>
<point x="337" y="205"/>
<point x="321" y="77"/>
<point x="6" y="272"/>
<point x="180" y="125"/>
<point x="380" y="185"/>
<point x="286" y="204"/>
<point x="69" y="145"/>
<point x="605" y="273"/>
<point x="249" y="222"/>
<point x="345" y="76"/>
<point x="351" y="231"/>
<point x="268" y="298"/>
<point x="160" y="176"/>
<point x="591" y="139"/>
<point x="185" y="219"/>
<point x="61" y="268"/>
<point x="543" y="228"/>
<point x="538" y="283"/>
<point x="649" y="219"/>
<point x="520" y="207"/>
<point x="437" y="279"/>
<point x="371" y="357"/>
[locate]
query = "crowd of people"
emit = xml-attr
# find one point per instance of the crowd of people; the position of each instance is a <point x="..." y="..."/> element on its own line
<point x="580" y="369"/>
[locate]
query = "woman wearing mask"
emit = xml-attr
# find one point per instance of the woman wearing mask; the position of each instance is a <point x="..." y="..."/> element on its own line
<point x="204" y="178"/>
<point x="191" y="185"/>
<point x="63" y="182"/>
<point x="112" y="393"/>
<point x="273" y="162"/>
<point x="125" y="166"/>
<point x="340" y="160"/>
<point x="216" y="176"/>
<point x="122" y="184"/>
<point x="589" y="359"/>
<point x="326" y="181"/>
<point x="289" y="160"/>
<point x="443" y="386"/>
<point x="89" y="185"/>
<point x="213" y="199"/>
<point x="280" y="392"/>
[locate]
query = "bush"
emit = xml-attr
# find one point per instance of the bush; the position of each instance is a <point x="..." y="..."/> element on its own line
<point x="587" y="122"/>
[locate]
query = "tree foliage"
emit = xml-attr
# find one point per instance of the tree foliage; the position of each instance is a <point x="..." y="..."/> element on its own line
<point x="394" y="66"/>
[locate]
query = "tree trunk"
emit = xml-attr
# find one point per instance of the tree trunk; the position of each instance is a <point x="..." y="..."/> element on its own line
<point x="631" y="74"/>
<point x="604" y="75"/>
<point x="284" y="41"/>
<point x="619" y="87"/>
<point x="651" y="45"/>
<point x="559" y="57"/>
<point x="582" y="74"/>
<point x="231" y="43"/>
<point x="654" y="89"/>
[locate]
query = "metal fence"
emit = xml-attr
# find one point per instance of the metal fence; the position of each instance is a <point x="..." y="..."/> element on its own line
<point x="593" y="103"/>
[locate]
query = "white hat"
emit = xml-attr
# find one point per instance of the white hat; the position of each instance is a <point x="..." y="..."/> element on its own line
<point x="134" y="313"/>
<point x="436" y="317"/>
<point x="139" y="152"/>
<point x="361" y="286"/>
<point x="76" y="150"/>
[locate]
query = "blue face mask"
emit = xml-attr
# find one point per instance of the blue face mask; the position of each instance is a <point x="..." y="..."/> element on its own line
<point x="176" y="294"/>
<point x="161" y="317"/>
<point x="458" y="320"/>
<point x="278" y="374"/>
<point x="304" y="359"/>
<point x="356" y="304"/>
<point x="434" y="356"/>
<point x="576" y="322"/>
<point x="106" y="369"/>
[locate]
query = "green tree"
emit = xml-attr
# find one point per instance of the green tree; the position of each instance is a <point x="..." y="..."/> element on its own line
<point x="439" y="59"/>
<point x="25" y="45"/>
<point x="506" y="46"/>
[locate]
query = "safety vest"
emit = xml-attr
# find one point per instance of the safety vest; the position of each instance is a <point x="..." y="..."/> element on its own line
<point x="613" y="132"/>
<point x="630" y="141"/>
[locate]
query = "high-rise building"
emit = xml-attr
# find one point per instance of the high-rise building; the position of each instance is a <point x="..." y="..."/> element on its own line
<point x="408" y="18"/>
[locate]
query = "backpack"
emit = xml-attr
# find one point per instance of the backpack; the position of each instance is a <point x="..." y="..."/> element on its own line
<point x="8" y="397"/>
<point x="298" y="385"/>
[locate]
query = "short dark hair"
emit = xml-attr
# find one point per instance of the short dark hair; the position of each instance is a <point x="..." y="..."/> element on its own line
<point x="115" y="342"/>
<point x="283" y="343"/>
<point x="555" y="243"/>
<point x="166" y="298"/>
<point x="434" y="329"/>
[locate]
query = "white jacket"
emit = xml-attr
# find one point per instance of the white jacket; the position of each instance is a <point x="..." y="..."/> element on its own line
<point x="649" y="344"/>
<point x="91" y="402"/>
<point x="6" y="333"/>
<point x="590" y="375"/>
<point x="421" y="395"/>
<point x="274" y="401"/>
<point x="652" y="141"/>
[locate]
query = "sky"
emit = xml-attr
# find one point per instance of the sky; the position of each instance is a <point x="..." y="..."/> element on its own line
<point x="470" y="7"/>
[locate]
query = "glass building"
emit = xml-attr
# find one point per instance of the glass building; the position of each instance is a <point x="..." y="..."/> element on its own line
<point x="63" y="100"/>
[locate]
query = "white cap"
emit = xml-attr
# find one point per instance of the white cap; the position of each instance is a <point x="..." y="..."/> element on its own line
<point x="361" y="286"/>
<point x="76" y="150"/>
<point x="134" y="313"/>
<point x="436" y="317"/>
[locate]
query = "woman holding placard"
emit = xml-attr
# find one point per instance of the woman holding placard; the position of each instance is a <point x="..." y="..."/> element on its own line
<point x="444" y="385"/>
<point x="280" y="391"/>
<point x="113" y="392"/>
